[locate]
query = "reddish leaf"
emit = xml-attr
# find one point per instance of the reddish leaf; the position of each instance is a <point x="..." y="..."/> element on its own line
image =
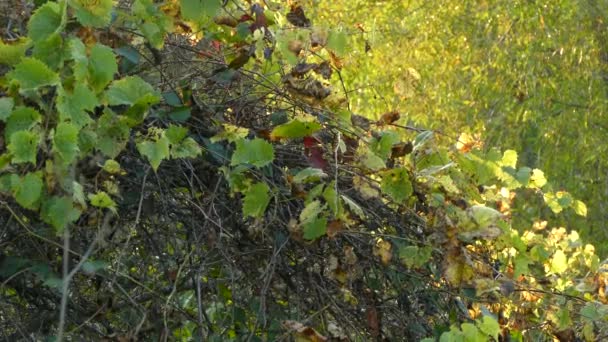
<point x="314" y="153"/>
<point x="334" y="227"/>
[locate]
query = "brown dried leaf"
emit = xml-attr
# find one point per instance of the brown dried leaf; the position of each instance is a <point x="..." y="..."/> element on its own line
<point x="334" y="227"/>
<point x="401" y="149"/>
<point x="389" y="118"/>
<point x="383" y="249"/>
<point x="335" y="60"/>
<point x="302" y="332"/>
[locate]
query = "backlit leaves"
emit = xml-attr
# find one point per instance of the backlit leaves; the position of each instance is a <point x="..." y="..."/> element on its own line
<point x="102" y="200"/>
<point x="295" y="129"/>
<point x="256" y="200"/>
<point x="257" y="152"/>
<point x="313" y="225"/>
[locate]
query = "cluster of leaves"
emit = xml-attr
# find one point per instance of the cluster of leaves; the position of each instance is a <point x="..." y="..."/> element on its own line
<point x="275" y="210"/>
<point x="529" y="76"/>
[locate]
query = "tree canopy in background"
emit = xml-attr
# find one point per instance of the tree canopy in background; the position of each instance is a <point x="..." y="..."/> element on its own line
<point x="528" y="75"/>
<point x="309" y="171"/>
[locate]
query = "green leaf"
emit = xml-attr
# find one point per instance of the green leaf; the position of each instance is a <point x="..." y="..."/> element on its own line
<point x="93" y="13"/>
<point x="559" y="262"/>
<point x="180" y="114"/>
<point x="484" y="216"/>
<point x="309" y="174"/>
<point x="5" y="160"/>
<point x="372" y="161"/>
<point x="6" y="107"/>
<point x="311" y="211"/>
<point x="520" y="264"/>
<point x="87" y="140"/>
<point x="489" y="326"/>
<point x="139" y="110"/>
<point x="188" y="148"/>
<point x="333" y="200"/>
<point x="102" y="200"/>
<point x="78" y="52"/>
<point x="78" y="194"/>
<point x="472" y="334"/>
<point x="8" y="182"/>
<point x="28" y="190"/>
<point x="509" y="158"/>
<point x="337" y="41"/>
<point x="24" y="147"/>
<point x="538" y="179"/>
<point x="129" y="91"/>
<point x="580" y="208"/>
<point x="155" y="22"/>
<point x="256" y="200"/>
<point x="155" y="151"/>
<point x="92" y="266"/>
<point x="383" y="145"/>
<point x="32" y="74"/>
<point x="12" y="53"/>
<point x="591" y="312"/>
<point x="112" y="166"/>
<point x="353" y="207"/>
<point x="315" y="228"/>
<point x="257" y="152"/>
<point x="396" y="184"/>
<point x="45" y="21"/>
<point x="50" y="51"/>
<point x="414" y="256"/>
<point x="176" y="134"/>
<point x="552" y="201"/>
<point x="421" y="139"/>
<point x="197" y="10"/>
<point x="523" y="175"/>
<point x="22" y="118"/>
<point x="73" y="106"/>
<point x="59" y="212"/>
<point x="65" y="142"/>
<point x="113" y="134"/>
<point x="102" y="66"/>
<point x="231" y="133"/>
<point x="295" y="129"/>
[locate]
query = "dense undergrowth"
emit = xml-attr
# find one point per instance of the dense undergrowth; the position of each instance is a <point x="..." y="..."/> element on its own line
<point x="192" y="170"/>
